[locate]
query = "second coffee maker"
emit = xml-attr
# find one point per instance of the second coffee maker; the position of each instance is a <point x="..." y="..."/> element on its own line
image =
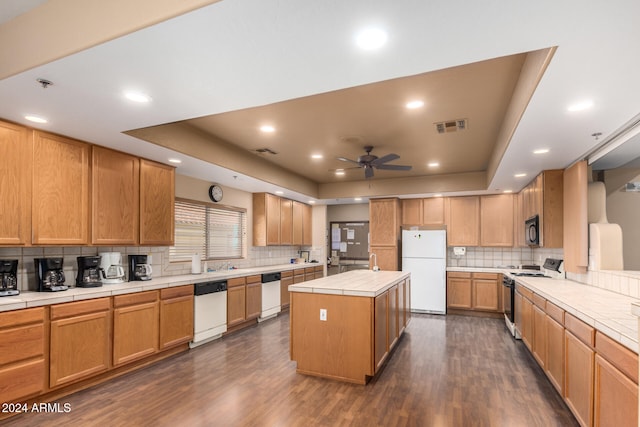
<point x="89" y="272"/>
<point x="139" y="268"/>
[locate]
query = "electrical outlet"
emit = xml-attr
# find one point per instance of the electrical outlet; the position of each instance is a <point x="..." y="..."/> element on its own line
<point x="323" y="314"/>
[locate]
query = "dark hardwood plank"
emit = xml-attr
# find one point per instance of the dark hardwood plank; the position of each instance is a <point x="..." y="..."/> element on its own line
<point x="445" y="371"/>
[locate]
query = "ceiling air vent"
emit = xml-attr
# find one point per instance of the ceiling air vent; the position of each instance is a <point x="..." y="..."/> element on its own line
<point x="451" y="126"/>
<point x="264" y="151"/>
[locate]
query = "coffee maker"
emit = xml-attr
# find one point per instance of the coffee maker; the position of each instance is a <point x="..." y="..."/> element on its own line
<point x="50" y="275"/>
<point x="139" y="268"/>
<point x="112" y="270"/>
<point x="9" y="276"/>
<point x="88" y="272"/>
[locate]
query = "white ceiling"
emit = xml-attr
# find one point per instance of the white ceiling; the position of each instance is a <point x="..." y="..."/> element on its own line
<point x="238" y="54"/>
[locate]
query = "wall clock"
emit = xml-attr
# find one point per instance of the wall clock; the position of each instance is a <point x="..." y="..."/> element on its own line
<point x="215" y="193"/>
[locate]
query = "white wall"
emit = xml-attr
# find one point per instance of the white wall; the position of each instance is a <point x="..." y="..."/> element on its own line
<point x="623" y="208"/>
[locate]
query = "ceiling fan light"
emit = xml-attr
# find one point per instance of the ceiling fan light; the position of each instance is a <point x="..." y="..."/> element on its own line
<point x="412" y="105"/>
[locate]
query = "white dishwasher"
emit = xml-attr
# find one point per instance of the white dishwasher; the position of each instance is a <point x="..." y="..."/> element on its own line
<point x="210" y="311"/>
<point x="270" y="296"/>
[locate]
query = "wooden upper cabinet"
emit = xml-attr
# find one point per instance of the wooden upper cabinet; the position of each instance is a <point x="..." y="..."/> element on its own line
<point x="433" y="211"/>
<point x="298" y="220"/>
<point x="463" y="220"/>
<point x="286" y="222"/>
<point x="411" y="211"/>
<point x="266" y="219"/>
<point x="518" y="221"/>
<point x="16" y="152"/>
<point x="552" y="222"/>
<point x="384" y="226"/>
<point x="496" y="220"/>
<point x="307" y="238"/>
<point x="157" y="194"/>
<point x="60" y="194"/>
<point x="115" y="186"/>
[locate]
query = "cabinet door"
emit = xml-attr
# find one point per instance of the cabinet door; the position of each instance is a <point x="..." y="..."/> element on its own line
<point x="384" y="222"/>
<point x="485" y="294"/>
<point x="433" y="211"/>
<point x="115" y="186"/>
<point x="578" y="379"/>
<point x="381" y="325"/>
<point x="526" y="329"/>
<point x="386" y="257"/>
<point x="254" y="300"/>
<point x="458" y="293"/>
<point x="307" y="229"/>
<point x="79" y="346"/>
<point x="616" y="397"/>
<point x="297" y="222"/>
<point x="176" y="316"/>
<point x="393" y="316"/>
<point x="412" y="212"/>
<point x="60" y="195"/>
<point x="463" y="221"/>
<point x="16" y="151"/>
<point x="135" y="329"/>
<point x="555" y="354"/>
<point x="517" y="302"/>
<point x="273" y="219"/>
<point x="496" y="220"/>
<point x="286" y="222"/>
<point x="539" y="342"/>
<point x="402" y="307"/>
<point x="236" y="303"/>
<point x="285" y="297"/>
<point x="157" y="194"/>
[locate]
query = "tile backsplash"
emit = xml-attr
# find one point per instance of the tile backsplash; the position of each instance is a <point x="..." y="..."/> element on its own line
<point x="501" y="257"/>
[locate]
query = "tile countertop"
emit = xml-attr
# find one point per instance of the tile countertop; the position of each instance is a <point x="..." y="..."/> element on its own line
<point x="28" y="299"/>
<point x="362" y="283"/>
<point x="608" y="312"/>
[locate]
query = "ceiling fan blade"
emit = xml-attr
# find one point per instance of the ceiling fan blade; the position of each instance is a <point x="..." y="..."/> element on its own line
<point x="385" y="159"/>
<point x="394" y="167"/>
<point x="344" y="159"/>
<point x="368" y="171"/>
<point x="345" y="169"/>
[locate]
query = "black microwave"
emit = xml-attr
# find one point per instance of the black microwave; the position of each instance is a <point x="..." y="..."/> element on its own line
<point x="532" y="231"/>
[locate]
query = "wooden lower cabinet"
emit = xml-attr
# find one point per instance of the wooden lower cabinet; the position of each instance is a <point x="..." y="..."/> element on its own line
<point x="80" y="340"/>
<point x="135" y="326"/>
<point x="526" y="321"/>
<point x="286" y="279"/>
<point x="554" y="366"/>
<point x="616" y="396"/>
<point x="318" y="272"/>
<point x="459" y="290"/>
<point x="381" y="328"/>
<point x="22" y="354"/>
<point x="298" y="275"/>
<point x="254" y="297"/>
<point x="539" y="332"/>
<point x="309" y="273"/>
<point x="236" y="301"/>
<point x="176" y="316"/>
<point x="578" y="380"/>
<point x="485" y="289"/>
<point x="394" y="332"/>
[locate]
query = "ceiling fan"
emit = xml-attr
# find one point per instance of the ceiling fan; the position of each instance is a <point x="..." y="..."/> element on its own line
<point x="370" y="162"/>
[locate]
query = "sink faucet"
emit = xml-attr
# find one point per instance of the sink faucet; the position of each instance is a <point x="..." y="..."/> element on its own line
<point x="375" y="261"/>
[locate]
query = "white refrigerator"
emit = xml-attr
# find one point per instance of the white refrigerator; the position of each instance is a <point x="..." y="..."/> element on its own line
<point x="424" y="255"/>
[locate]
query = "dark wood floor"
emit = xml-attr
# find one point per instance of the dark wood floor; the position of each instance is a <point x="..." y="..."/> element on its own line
<point x="446" y="371"/>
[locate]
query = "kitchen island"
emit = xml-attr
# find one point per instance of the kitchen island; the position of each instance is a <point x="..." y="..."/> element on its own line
<point x="344" y="326"/>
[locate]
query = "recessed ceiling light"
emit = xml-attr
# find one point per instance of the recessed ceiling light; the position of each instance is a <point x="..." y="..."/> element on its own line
<point x="137" y="97"/>
<point x="357" y="199"/>
<point x="437" y="195"/>
<point x="541" y="151"/>
<point x="412" y="105"/>
<point x="312" y="202"/>
<point x="579" y="106"/>
<point x="267" y="129"/>
<point x="175" y="161"/>
<point x="316" y="156"/>
<point x="371" y="38"/>
<point x="36" y="119"/>
<point x="508" y="191"/>
<point x="279" y="192"/>
<point x="520" y="175"/>
<point x="340" y="172"/>
<point x="433" y="164"/>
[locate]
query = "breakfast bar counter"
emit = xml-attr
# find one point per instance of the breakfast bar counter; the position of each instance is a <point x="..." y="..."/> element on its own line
<point x="345" y="326"/>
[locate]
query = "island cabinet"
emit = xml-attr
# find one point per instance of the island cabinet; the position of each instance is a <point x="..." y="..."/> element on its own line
<point x="157" y="194"/>
<point x="579" y="369"/>
<point x="22" y="354"/>
<point x="115" y="197"/>
<point x="476" y="292"/>
<point x="496" y="220"/>
<point x="60" y="191"/>
<point x="135" y="326"/>
<point x="16" y="153"/>
<point x="286" y="279"/>
<point x="463" y="220"/>
<point x="384" y="234"/>
<point x="176" y="316"/>
<point x="80" y="340"/>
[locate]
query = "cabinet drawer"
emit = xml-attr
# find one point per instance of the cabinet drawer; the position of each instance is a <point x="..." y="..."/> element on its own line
<point x="256" y="278"/>
<point x="21" y="381"/>
<point x="525" y="292"/>
<point x="581" y="330"/>
<point x="319" y="269"/>
<point x="178" y="291"/>
<point x="81" y="307"/>
<point x="21" y="317"/>
<point x="21" y="343"/>
<point x="309" y="270"/>
<point x="539" y="301"/>
<point x="555" y="312"/>
<point x="288" y="273"/>
<point x="137" y="298"/>
<point x="459" y="274"/>
<point x="298" y="272"/>
<point x="236" y="281"/>
<point x="619" y="356"/>
<point x="488" y="276"/>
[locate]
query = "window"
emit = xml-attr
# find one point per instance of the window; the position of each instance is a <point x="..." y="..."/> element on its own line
<point x="212" y="231"/>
